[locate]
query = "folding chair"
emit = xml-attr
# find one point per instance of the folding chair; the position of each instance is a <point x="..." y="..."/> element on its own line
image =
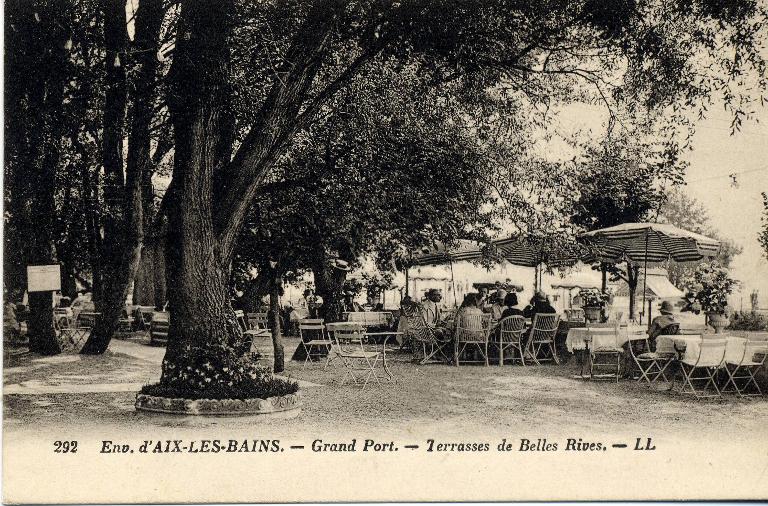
<point x="257" y="324"/>
<point x="125" y="323"/>
<point x="575" y="314"/>
<point x="541" y="341"/>
<point x="348" y="345"/>
<point x="72" y="335"/>
<point x="472" y="330"/>
<point x="711" y="356"/>
<point x="744" y="368"/>
<point x="652" y="364"/>
<point x="313" y="336"/>
<point x="158" y="328"/>
<point x="605" y="354"/>
<point x="510" y="337"/>
<point x="422" y="336"/>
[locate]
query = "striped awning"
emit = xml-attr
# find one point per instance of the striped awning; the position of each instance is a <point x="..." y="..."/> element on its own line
<point x="649" y="242"/>
<point x="530" y="252"/>
<point x="439" y="253"/>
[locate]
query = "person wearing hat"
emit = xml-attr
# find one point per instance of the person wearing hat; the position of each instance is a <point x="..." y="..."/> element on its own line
<point x="539" y="304"/>
<point x="661" y="323"/>
<point x="498" y="304"/>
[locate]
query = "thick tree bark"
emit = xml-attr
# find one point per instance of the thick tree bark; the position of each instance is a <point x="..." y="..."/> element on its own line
<point x="124" y="232"/>
<point x="41" y="73"/>
<point x="203" y="328"/>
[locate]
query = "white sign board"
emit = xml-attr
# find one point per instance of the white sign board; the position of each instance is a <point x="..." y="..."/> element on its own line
<point x="43" y="278"/>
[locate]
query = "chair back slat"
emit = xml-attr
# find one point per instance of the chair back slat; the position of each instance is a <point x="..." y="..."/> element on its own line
<point x="755" y="351"/>
<point x="511" y="328"/>
<point x="347" y="336"/>
<point x="575" y="314"/>
<point x="711" y="353"/>
<point x="312" y="330"/>
<point x="544" y="327"/>
<point x="258" y="321"/>
<point x="473" y="327"/>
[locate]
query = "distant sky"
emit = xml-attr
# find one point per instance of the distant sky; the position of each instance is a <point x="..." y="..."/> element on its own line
<point x="734" y="209"/>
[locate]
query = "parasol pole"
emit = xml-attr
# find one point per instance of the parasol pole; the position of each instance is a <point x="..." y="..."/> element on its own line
<point x="645" y="275"/>
<point x="453" y="284"/>
<point x="406" y="282"/>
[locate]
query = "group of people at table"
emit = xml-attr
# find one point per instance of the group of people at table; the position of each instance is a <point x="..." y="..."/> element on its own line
<point x="502" y="304"/>
<point x="499" y="305"/>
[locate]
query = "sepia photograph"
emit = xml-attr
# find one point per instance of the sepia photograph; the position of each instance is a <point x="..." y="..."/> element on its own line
<point x="384" y="251"/>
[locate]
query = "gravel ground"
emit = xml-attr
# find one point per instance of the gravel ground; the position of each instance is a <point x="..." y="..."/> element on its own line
<point x="703" y="449"/>
<point x="460" y="400"/>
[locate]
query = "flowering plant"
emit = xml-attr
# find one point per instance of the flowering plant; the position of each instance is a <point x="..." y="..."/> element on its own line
<point x="710" y="290"/>
<point x="591" y="297"/>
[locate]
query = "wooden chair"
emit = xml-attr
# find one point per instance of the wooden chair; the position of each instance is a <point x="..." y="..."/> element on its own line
<point x="349" y="345"/>
<point x="510" y="337"/>
<point x="472" y="330"/>
<point x="604" y="354"/>
<point x="315" y="340"/>
<point x="651" y="363"/>
<point x="575" y="314"/>
<point x="257" y="324"/>
<point x="744" y="368"/>
<point x="158" y="329"/>
<point x="541" y="341"/>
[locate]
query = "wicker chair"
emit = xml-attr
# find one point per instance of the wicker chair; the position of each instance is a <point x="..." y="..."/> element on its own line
<point x="421" y="336"/>
<point x="472" y="330"/>
<point x="541" y="341"/>
<point x="510" y="337"/>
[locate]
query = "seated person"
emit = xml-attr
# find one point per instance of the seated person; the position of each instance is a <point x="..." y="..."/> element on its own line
<point x="510" y="306"/>
<point x="661" y="322"/>
<point x="430" y="308"/>
<point x="470" y="306"/>
<point x="539" y="304"/>
<point x="498" y="304"/>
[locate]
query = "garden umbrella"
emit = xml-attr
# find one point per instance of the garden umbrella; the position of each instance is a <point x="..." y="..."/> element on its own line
<point x="649" y="242"/>
<point x="441" y="253"/>
<point x="534" y="251"/>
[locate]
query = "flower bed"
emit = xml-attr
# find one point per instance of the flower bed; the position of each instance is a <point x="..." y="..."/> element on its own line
<point x="219" y="382"/>
<point x="285" y="404"/>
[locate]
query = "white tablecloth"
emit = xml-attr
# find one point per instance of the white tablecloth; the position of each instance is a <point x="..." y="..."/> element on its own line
<point x="601" y="337"/>
<point x="734" y="347"/>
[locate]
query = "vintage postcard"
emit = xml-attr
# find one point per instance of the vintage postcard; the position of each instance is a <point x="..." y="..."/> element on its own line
<point x="395" y="250"/>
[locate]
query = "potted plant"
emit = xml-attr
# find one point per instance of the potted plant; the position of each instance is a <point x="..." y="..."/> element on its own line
<point x="709" y="293"/>
<point x="593" y="301"/>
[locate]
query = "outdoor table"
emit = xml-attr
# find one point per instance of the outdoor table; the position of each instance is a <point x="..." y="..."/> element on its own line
<point x="687" y="346"/>
<point x="390" y="376"/>
<point x="579" y="338"/>
<point x="582" y="339"/>
<point x="370" y="318"/>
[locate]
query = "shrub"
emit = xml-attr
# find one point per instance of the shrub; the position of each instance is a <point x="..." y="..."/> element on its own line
<point x="748" y="320"/>
<point x="227" y="376"/>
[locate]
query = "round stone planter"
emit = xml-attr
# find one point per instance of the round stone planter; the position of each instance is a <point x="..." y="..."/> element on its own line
<point x="592" y="314"/>
<point x="717" y="321"/>
<point x="284" y="406"/>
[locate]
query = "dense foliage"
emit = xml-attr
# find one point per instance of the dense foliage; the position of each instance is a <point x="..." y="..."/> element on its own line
<point x="710" y="289"/>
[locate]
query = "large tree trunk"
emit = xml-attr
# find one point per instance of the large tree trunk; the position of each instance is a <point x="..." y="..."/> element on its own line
<point x="42" y="75"/>
<point x="203" y="328"/>
<point x="124" y="233"/>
